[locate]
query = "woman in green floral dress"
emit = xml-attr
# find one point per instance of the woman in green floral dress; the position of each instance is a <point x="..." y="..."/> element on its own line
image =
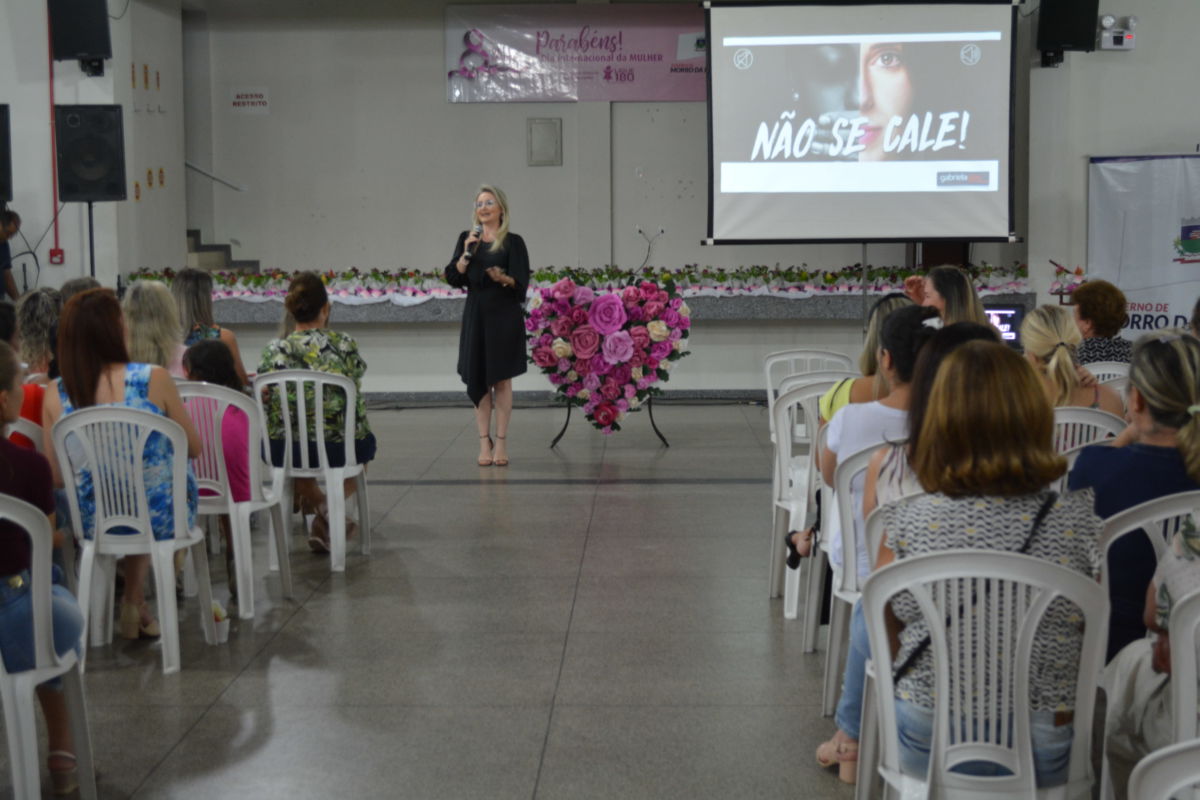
<point x="313" y="346"/>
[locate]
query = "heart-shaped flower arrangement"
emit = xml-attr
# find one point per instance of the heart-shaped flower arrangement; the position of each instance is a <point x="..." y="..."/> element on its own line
<point x="607" y="351"/>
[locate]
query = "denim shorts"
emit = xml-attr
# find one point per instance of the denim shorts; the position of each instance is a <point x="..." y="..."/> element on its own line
<point x="16" y="622"/>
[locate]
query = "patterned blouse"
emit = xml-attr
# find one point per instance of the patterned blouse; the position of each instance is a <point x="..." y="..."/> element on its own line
<point x="157" y="461"/>
<point x="934" y="522"/>
<point x="1178" y="572"/>
<point x="322" y="350"/>
<point x="1097" y="349"/>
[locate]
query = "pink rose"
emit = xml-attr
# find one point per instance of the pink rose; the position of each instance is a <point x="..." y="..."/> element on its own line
<point x="671" y="317"/>
<point x="660" y="350"/>
<point x="607" y="314"/>
<point x="564" y="365"/>
<point x="649" y="291"/>
<point x="561" y="307"/>
<point x="618" y="347"/>
<point x="652" y="364"/>
<point x="663" y="297"/>
<point x="685" y="322"/>
<point x="638" y="358"/>
<point x="620" y="373"/>
<point x="585" y="341"/>
<point x="584" y="295"/>
<point x="675" y="335"/>
<point x="675" y="302"/>
<point x="547" y="293"/>
<point x="533" y="324"/>
<point x="544" y="357"/>
<point x="630" y="392"/>
<point x="600" y="365"/>
<point x="622" y="404"/>
<point x="591" y="382"/>
<point x="630" y="295"/>
<point x="652" y="310"/>
<point x="583" y="366"/>
<point x="605" y="414"/>
<point x="561" y="326"/>
<point x="578" y="315"/>
<point x="573" y="390"/>
<point x="564" y="289"/>
<point x="546" y="340"/>
<point x="643" y="383"/>
<point x="641" y="339"/>
<point x="610" y="389"/>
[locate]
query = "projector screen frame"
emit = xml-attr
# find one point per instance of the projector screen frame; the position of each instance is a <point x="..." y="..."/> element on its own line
<point x="1012" y="236"/>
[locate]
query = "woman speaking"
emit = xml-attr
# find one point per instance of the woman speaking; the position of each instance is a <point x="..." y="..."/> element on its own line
<point x="493" y="266"/>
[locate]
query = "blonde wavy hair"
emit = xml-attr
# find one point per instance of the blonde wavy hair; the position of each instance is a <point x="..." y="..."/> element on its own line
<point x="962" y="304"/>
<point x="868" y="361"/>
<point x="1050" y="334"/>
<point x="37" y="314"/>
<point x="151" y="323"/>
<point x="1165" y="369"/>
<point x="502" y="201"/>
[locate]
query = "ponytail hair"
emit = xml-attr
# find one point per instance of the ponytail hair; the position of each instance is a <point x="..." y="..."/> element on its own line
<point x="1165" y="368"/>
<point x="1050" y="334"/>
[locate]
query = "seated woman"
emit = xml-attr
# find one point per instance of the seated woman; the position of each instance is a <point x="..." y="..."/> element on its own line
<point x="1100" y="313"/>
<point x="192" y="289"/>
<point x="1051" y="338"/>
<point x="889" y="477"/>
<point x="96" y="370"/>
<point x="948" y="290"/>
<point x="37" y="320"/>
<point x="865" y="424"/>
<point x="313" y="346"/>
<point x="1157" y="455"/>
<point x="210" y="361"/>
<point x="26" y="476"/>
<point x="1140" y="716"/>
<point x="152" y="326"/>
<point x="872" y="385"/>
<point x="984" y="456"/>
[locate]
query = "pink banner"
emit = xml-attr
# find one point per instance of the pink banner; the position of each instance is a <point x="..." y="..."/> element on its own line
<point x="555" y="53"/>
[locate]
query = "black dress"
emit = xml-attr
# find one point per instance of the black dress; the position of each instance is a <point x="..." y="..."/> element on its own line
<point x="491" y="345"/>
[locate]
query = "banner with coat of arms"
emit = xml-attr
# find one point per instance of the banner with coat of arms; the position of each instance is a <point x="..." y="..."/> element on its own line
<point x="1144" y="235"/>
<point x="568" y="52"/>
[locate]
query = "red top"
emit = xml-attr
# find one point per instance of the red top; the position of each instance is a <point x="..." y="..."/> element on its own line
<point x="31" y="409"/>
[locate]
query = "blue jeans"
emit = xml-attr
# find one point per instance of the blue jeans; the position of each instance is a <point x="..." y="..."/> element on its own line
<point x="858" y="653"/>
<point x="16" y="623"/>
<point x="1051" y="746"/>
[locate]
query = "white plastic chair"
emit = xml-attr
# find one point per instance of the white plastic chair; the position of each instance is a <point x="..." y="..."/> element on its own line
<point x="294" y="390"/>
<point x="208" y="405"/>
<point x="783" y="363"/>
<point x="110" y="442"/>
<point x="818" y="561"/>
<point x="1108" y="370"/>
<point x="1185" y="617"/>
<point x="1162" y="774"/>
<point x="30" y="430"/>
<point x="959" y="586"/>
<point x="1157" y="519"/>
<point x="1075" y="426"/>
<point x="793" y="483"/>
<point x="802" y="429"/>
<point x="17" y="688"/>
<point x="846" y="588"/>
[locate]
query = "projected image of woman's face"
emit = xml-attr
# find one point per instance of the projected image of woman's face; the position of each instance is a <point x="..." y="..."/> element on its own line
<point x="885" y="91"/>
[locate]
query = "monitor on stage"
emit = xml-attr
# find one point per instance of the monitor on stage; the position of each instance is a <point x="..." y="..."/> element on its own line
<point x="860" y="122"/>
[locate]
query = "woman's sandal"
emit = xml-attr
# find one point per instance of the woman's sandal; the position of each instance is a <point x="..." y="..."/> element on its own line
<point x="486" y="462"/>
<point x="64" y="780"/>
<point x="797" y="541"/>
<point x="842" y="752"/>
<point x="500" y="462"/>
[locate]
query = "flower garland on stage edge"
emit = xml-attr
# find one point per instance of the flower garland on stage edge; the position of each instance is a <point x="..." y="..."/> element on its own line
<point x="607" y="351"/>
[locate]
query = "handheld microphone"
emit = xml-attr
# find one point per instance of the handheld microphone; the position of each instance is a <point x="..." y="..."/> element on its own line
<point x="469" y="250"/>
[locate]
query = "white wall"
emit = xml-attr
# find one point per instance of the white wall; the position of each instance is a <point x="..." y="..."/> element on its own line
<point x="130" y="234"/>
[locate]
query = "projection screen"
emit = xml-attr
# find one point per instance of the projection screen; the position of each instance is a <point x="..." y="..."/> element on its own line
<point x="860" y="123"/>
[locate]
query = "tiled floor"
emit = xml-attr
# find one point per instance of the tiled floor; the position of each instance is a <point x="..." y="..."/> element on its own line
<point x="591" y="622"/>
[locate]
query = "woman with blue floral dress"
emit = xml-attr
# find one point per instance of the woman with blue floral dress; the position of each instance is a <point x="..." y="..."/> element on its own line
<point x="95" y="368"/>
<point x="313" y="346"/>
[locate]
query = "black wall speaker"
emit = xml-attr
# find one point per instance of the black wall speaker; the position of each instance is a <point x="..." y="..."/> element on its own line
<point x="79" y="29"/>
<point x="5" y="157"/>
<point x="91" y="153"/>
<point x="1067" y="24"/>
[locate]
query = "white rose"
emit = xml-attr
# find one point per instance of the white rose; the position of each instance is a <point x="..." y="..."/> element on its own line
<point x="536" y="301"/>
<point x="665" y="364"/>
<point x="658" y="330"/>
<point x="636" y="373"/>
<point x="572" y="376"/>
<point x="677" y="345"/>
<point x="634" y="403"/>
<point x="561" y="348"/>
<point x="584" y="394"/>
<point x="620" y="416"/>
<point x="684" y="311"/>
